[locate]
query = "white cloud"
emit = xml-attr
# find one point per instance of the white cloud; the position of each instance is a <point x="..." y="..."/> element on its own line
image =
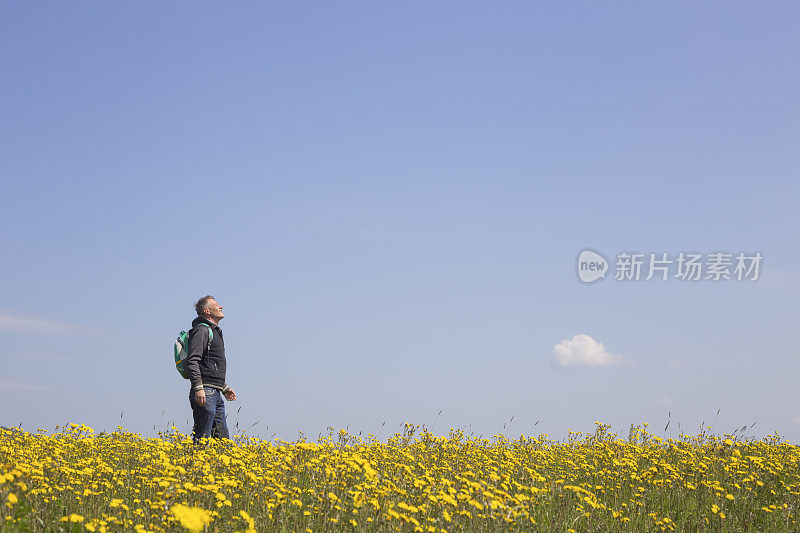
<point x="663" y="401"/>
<point x="582" y="350"/>
<point x="30" y="324"/>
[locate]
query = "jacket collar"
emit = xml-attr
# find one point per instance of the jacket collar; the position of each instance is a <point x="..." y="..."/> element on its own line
<point x="203" y="320"/>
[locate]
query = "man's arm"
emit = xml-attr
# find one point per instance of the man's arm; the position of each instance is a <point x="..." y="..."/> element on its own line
<point x="198" y="339"/>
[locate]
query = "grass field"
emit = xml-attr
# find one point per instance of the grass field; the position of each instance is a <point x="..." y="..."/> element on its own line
<point x="75" y="480"/>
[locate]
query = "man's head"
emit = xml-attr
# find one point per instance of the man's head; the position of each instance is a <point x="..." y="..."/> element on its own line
<point x="208" y="308"/>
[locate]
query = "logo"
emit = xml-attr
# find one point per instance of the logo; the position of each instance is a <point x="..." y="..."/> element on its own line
<point x="662" y="266"/>
<point x="591" y="266"/>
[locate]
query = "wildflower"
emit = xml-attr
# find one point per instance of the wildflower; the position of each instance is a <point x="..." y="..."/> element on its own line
<point x="192" y="518"/>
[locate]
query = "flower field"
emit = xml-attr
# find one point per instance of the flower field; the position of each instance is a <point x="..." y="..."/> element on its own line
<point x="75" y="480"/>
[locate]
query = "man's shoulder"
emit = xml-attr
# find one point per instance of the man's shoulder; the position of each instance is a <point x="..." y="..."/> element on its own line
<point x="199" y="327"/>
<point x="203" y="325"/>
<point x="201" y="322"/>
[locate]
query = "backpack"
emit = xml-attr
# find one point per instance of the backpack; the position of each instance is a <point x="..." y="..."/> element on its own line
<point x="182" y="350"/>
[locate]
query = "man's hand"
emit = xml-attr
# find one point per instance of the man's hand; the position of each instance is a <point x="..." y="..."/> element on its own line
<point x="230" y="395"/>
<point x="200" y="397"/>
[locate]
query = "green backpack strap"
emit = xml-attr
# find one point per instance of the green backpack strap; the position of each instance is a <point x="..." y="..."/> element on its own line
<point x="210" y="336"/>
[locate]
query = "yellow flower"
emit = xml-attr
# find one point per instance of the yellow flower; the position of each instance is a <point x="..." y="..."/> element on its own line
<point x="250" y="523"/>
<point x="449" y="499"/>
<point x="406" y="507"/>
<point x="192" y="518"/>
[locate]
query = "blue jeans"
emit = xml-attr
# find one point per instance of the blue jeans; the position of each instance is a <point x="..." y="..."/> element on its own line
<point x="209" y="419"/>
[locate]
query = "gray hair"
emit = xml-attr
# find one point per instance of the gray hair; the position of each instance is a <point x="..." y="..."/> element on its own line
<point x="202" y="304"/>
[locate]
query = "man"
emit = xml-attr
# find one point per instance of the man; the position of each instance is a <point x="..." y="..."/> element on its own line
<point x="206" y="366"/>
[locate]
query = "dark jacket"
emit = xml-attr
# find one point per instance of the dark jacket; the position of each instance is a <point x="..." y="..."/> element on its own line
<point x="206" y="368"/>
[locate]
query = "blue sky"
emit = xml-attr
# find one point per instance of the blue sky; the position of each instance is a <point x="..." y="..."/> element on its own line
<point x="389" y="200"/>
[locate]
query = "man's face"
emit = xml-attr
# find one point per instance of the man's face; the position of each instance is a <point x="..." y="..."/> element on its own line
<point x="214" y="310"/>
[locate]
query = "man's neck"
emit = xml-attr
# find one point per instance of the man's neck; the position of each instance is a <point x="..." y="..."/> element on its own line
<point x="215" y="322"/>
